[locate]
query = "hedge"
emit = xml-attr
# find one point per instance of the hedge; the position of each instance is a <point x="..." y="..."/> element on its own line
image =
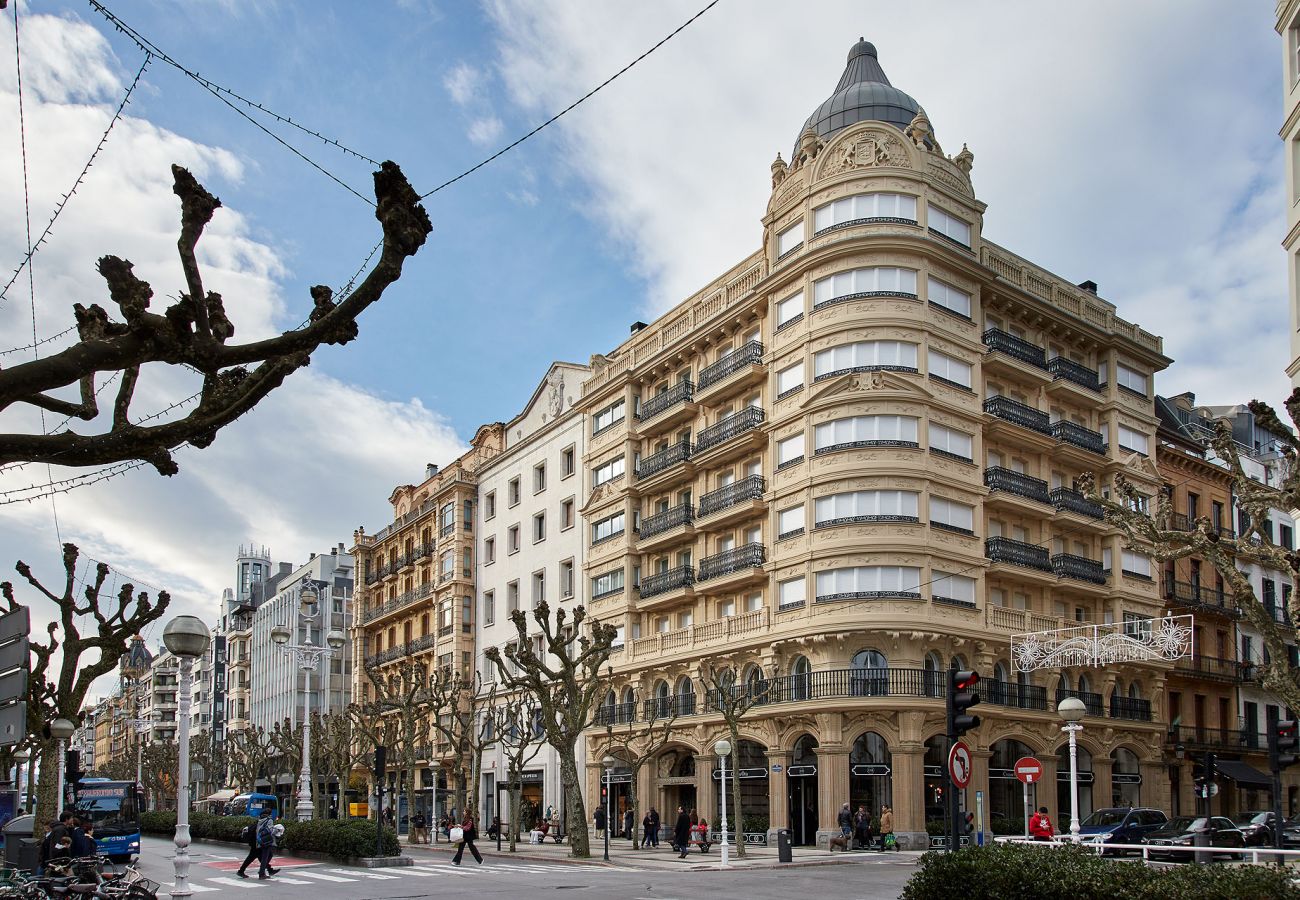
<point x="339" y="838"/>
<point x="1026" y="872"/>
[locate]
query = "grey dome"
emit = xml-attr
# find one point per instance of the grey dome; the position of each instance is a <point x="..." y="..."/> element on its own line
<point x="863" y="94"/>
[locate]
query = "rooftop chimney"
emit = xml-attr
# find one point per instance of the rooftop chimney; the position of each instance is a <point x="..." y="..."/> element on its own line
<point x="1089" y="286"/>
<point x="429" y="471"/>
<point x="637" y="326"/>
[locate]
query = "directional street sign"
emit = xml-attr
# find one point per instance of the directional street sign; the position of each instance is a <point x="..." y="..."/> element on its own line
<point x="1028" y="769"/>
<point x="959" y="765"/>
<point x="15" y="664"/>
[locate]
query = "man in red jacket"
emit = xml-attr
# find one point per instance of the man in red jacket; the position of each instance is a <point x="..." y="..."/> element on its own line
<point x="1040" y="825"/>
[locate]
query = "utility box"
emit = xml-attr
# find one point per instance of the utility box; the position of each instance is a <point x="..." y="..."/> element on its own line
<point x="21" y="849"/>
<point x="784" y="850"/>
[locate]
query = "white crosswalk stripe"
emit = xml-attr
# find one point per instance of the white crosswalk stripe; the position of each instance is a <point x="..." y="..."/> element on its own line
<point x="321" y="876"/>
<point x="360" y="874"/>
<point x="284" y="879"/>
<point x="415" y="870"/>
<point x="234" y="882"/>
<point x="195" y="887"/>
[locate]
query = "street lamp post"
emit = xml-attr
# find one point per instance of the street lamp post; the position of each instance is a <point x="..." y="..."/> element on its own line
<point x="61" y="730"/>
<point x="186" y="638"/>
<point x="609" y="799"/>
<point x="141" y="728"/>
<point x="307" y="656"/>
<point x="20" y="757"/>
<point x="1071" y="710"/>
<point x="723" y="749"/>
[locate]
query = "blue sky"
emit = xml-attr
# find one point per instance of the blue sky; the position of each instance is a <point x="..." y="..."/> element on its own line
<point x="1131" y="144"/>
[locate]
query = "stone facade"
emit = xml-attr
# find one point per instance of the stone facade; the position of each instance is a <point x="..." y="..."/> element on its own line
<point x="1287" y="23"/>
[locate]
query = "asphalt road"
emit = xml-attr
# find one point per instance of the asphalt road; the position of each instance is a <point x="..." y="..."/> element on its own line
<point x="212" y="874"/>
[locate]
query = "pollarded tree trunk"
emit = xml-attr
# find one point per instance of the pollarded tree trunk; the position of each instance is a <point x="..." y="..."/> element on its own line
<point x="575" y="814"/>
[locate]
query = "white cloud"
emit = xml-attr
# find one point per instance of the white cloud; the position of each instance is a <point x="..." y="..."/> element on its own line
<point x="485" y="131"/>
<point x="462" y="83"/>
<point x="1133" y="144"/>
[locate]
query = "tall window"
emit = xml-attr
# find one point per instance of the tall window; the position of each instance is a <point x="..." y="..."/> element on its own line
<point x="607" y="527"/>
<point x="1130" y="439"/>
<point x="865" y="356"/>
<point x="951" y="441"/>
<point x="789" y="309"/>
<point x="864" y="208"/>
<point x="789" y="450"/>
<point x="791" y="592"/>
<point x="951" y="586"/>
<point x="607" y="583"/>
<point x="789" y="379"/>
<point x="609" y="470"/>
<point x="950" y="298"/>
<point x="489" y="607"/>
<point x="566" y="578"/>
<point x="862" y="431"/>
<point x="539" y="478"/>
<point x="949" y="368"/>
<point x="867" y="506"/>
<point x="789" y="239"/>
<point x="949" y="225"/>
<point x="1130" y="379"/>
<point x="869" y="282"/>
<point x="868" y="582"/>
<point x="951" y="514"/>
<point x="790" y="521"/>
<point x="608" y="416"/>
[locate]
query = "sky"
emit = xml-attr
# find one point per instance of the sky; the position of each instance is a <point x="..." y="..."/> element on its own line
<point x="1131" y="144"/>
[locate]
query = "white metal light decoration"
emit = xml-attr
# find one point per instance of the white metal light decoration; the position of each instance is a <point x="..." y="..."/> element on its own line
<point x="1167" y="638"/>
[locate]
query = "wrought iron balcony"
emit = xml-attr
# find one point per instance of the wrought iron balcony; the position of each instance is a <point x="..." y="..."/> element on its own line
<point x="1071" y="433"/>
<point x="751" y="487"/>
<point x="836" y="684"/>
<point x="1092" y="702"/>
<point x="664" y="459"/>
<point x="616" y="713"/>
<point x="1080" y="568"/>
<point x="1183" y="522"/>
<point x="1019" y="414"/>
<point x="1133" y="708"/>
<point x="682" y="514"/>
<point x="666" y="707"/>
<point x="1069" y="500"/>
<point x="1191" y="593"/>
<point x="747" y="556"/>
<point x="1209" y="667"/>
<point x="681" y="392"/>
<point x="747" y="419"/>
<point x="1068" y="369"/>
<point x="747" y="355"/>
<point x="1016" y="348"/>
<point x="1014" y="694"/>
<point x="423" y="642"/>
<point x="1197" y="737"/>
<point x="1018" y="553"/>
<point x="663" y="582"/>
<point x="1000" y="478"/>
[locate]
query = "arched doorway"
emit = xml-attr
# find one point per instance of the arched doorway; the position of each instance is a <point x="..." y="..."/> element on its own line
<point x="1125" y="778"/>
<point x="936" y="758"/>
<point x="1063" y="785"/>
<point x="871" y="781"/>
<point x="676" y="783"/>
<point x="870" y="674"/>
<point x="748" y="814"/>
<point x="1006" y="793"/>
<point x="802" y="779"/>
<point x="801" y="679"/>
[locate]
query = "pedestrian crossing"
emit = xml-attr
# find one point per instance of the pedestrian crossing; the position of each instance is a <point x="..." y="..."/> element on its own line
<point x="302" y="876"/>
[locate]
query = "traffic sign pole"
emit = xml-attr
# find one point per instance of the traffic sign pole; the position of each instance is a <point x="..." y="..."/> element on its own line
<point x="1028" y="770"/>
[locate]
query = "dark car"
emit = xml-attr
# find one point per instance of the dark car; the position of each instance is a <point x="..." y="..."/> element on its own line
<point x="1255" y="827"/>
<point x="1120" y="825"/>
<point x="1182" y="832"/>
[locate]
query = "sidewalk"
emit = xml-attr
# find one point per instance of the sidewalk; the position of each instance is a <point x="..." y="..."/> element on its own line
<point x="621" y="854"/>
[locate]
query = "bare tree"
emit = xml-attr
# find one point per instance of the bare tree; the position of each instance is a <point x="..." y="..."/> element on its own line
<point x="733" y="701"/>
<point x="286" y="757"/>
<point x="636" y="744"/>
<point x="61" y="694"/>
<point x="209" y="754"/>
<point x="399" y="715"/>
<point x="563" y="683"/>
<point x="159" y="764"/>
<point x="250" y="757"/>
<point x="515" y="728"/>
<point x="192" y="332"/>
<point x="458" y="702"/>
<point x="336" y="749"/>
<point x="119" y="768"/>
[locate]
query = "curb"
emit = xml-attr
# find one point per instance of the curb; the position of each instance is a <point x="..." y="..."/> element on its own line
<point x="842" y="860"/>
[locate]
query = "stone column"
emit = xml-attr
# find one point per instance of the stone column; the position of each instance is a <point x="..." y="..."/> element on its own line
<point x="832" y="790"/>
<point x="909" y="796"/>
<point x="706" y="802"/>
<point x="1047" y="789"/>
<point x="1155" y="789"/>
<point x="1102" y="789"/>
<point x="778" y="793"/>
<point x="979" y="782"/>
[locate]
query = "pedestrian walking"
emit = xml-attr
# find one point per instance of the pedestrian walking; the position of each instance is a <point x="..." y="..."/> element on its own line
<point x="265" y="843"/>
<point x="862" y="827"/>
<point x="887" y="839"/>
<point x="651" y="826"/>
<point x="599" y="818"/>
<point x="468" y="835"/>
<point x="845" y="821"/>
<point x="682" y="832"/>
<point x="629" y="824"/>
<point x="249" y="837"/>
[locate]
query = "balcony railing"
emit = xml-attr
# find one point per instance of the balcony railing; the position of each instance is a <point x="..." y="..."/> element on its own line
<point x="423" y="642"/>
<point x="1190" y="593"/>
<point x="1060" y="367"/>
<point x="1080" y="568"/>
<point x="751" y="487"/>
<point x="1016" y="348"/>
<point x="834" y="684"/>
<point x="663" y="582"/>
<point x="1010" y="693"/>
<point x="398" y="602"/>
<point x="664" y="459"/>
<point x="1019" y="414"/>
<point x="667" y="520"/>
<point x="747" y="355"/>
<point x="748" y="556"/>
<point x="1209" y="667"/>
<point x="747" y="419"/>
<point x="616" y="714"/>
<point x="1072" y="433"/>
<point x="1183" y="522"/>
<point x="667" y="707"/>
<point x="681" y="392"/>
<point x="1278" y="614"/>
<point x="1018" y="553"/>
<point x="1092" y="702"/>
<point x="1132" y="708"/>
<point x="1194" y="736"/>
<point x="1069" y="500"/>
<point x="1000" y="478"/>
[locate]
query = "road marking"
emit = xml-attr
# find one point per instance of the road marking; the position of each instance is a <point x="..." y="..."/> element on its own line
<point x="356" y="873"/>
<point x="415" y="870"/>
<point x="234" y="882"/>
<point x="196" y="887"/>
<point x="287" y="880"/>
<point x="321" y="876"/>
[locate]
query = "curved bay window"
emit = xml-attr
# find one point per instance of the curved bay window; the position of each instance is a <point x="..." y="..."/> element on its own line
<point x="871" y="777"/>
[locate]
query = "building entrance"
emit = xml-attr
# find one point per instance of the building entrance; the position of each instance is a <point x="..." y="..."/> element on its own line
<point x="802" y="778"/>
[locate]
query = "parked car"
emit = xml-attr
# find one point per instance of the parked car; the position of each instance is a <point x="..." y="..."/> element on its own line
<point x="1255" y="827"/>
<point x="1182" y="832"/>
<point x="1120" y="825"/>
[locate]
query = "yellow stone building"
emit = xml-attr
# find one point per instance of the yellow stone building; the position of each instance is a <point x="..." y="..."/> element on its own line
<point x="852" y="459"/>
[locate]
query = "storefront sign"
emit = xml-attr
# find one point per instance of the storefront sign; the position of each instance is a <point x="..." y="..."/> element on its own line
<point x="1125" y="778"/>
<point x="743" y="773"/>
<point x="801" y="771"/>
<point x="871" y="770"/>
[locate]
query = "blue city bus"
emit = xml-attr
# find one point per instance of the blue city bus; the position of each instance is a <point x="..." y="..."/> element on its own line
<point x="114" y="807"/>
<point x="253" y="804"/>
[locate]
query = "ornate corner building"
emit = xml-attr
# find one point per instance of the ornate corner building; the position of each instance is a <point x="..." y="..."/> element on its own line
<point x="853" y="459"/>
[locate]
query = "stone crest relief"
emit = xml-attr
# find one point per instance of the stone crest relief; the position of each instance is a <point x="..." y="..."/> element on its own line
<point x="870" y="151"/>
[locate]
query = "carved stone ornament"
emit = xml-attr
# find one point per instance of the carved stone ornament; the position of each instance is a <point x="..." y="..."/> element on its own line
<point x="869" y="151"/>
<point x="555" y="393"/>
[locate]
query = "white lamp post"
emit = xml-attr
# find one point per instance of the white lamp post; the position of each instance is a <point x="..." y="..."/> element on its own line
<point x="186" y="638"/>
<point x="609" y="799"/>
<point x="1071" y="710"/>
<point x="61" y="730"/>
<point x="723" y="749"/>
<point x="20" y="757"/>
<point x="307" y="656"/>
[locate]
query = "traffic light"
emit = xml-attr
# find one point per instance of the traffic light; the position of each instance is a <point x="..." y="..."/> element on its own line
<point x="72" y="768"/>
<point x="966" y="823"/>
<point x="381" y="754"/>
<point x="1283" y="744"/>
<point x="961" y="697"/>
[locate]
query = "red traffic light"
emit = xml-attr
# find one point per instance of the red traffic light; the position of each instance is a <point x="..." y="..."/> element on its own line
<point x="965" y="680"/>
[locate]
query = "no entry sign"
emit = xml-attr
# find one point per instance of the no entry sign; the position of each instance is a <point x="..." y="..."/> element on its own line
<point x="1028" y="769"/>
<point x="959" y="766"/>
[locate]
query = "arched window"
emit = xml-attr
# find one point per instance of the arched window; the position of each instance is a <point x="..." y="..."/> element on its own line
<point x="1084" y="685"/>
<point x="931" y="677"/>
<point x="662" y="699"/>
<point x="629" y="697"/>
<point x="958" y="661"/>
<point x="801" y="678"/>
<point x="870" y="674"/>
<point x="1134" y="690"/>
<point x="685" y="696"/>
<point x="869" y="659"/>
<point x="756" y="683"/>
<point x="1000" y="671"/>
<point x="1063" y="686"/>
<point x="998" y="690"/>
<point x="932" y="662"/>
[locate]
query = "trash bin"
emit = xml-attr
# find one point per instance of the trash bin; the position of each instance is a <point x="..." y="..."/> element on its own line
<point x="20" y="848"/>
<point x="784" y="853"/>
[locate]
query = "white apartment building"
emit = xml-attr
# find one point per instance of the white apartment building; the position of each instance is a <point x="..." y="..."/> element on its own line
<point x="530" y="549"/>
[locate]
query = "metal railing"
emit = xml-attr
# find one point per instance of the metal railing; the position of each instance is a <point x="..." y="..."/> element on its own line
<point x="747" y="419"/>
<point x="1084" y="438"/>
<point x="747" y="556"/>
<point x="1018" y="553"/>
<point x="751" y="487"/>
<point x="834" y="684"/>
<point x="1071" y="500"/>
<point x="681" y="392"/>
<point x="1132" y="708"/>
<point x="398" y="602"/>
<point x="1080" y="568"/>
<point x="749" y="354"/>
<point x="1013" y="694"/>
<point x="683" y="514"/>
<point x="1091" y="701"/>
<point x="666" y="707"/>
<point x="1000" y="478"/>
<point x="1016" y="348"/>
<point x="616" y="714"/>
<point x="1184" y="522"/>
<point x="1195" y="736"/>
<point x="664" y="459"/>
<point x="1060" y="367"/>
<point x="1191" y="593"/>
<point x="1209" y="667"/>
<point x="1019" y="414"/>
<point x="663" y="582"/>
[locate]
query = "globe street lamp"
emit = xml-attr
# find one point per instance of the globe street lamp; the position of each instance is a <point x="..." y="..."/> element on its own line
<point x="609" y="799"/>
<point x="1071" y="710"/>
<point x="61" y="730"/>
<point x="723" y="749"/>
<point x="307" y="656"/>
<point x="186" y="638"/>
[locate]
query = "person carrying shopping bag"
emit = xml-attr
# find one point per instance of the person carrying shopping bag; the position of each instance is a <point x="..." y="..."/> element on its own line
<point x="468" y="835"/>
